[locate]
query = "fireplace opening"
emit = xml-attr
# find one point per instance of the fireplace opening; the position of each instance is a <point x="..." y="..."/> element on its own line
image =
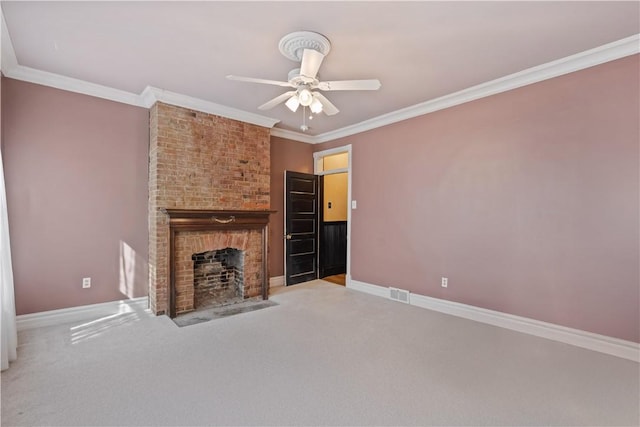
<point x="218" y="277"/>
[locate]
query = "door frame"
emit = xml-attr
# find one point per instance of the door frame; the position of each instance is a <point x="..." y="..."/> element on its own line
<point x="317" y="156"/>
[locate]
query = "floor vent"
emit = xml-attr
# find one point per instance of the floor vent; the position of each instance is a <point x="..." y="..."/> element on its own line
<point x="399" y="295"/>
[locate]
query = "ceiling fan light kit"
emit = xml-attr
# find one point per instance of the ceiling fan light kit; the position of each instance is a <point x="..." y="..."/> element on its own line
<point x="293" y="104"/>
<point x="316" y="106"/>
<point x="305" y="97"/>
<point x="310" y="49"/>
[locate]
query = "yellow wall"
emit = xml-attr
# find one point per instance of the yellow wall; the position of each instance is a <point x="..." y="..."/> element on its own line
<point x="335" y="191"/>
<point x="336" y="161"/>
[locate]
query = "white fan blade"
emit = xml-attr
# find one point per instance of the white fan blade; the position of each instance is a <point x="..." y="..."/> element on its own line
<point x="254" y="80"/>
<point x="277" y="100"/>
<point x="328" y="108"/>
<point x="373" y="84"/>
<point x="311" y="60"/>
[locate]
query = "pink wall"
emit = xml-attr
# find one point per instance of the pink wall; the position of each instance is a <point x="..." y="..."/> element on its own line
<point x="76" y="175"/>
<point x="528" y="201"/>
<point x="285" y="155"/>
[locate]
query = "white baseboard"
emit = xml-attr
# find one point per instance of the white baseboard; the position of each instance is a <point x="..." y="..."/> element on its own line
<point x="601" y="343"/>
<point x="75" y="314"/>
<point x="379" y="291"/>
<point x="276" y="281"/>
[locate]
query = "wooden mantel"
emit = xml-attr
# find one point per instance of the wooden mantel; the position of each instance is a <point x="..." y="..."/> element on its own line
<point x="196" y="219"/>
<point x="206" y="220"/>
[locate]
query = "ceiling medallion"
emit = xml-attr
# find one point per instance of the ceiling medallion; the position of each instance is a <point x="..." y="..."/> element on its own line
<point x="293" y="45"/>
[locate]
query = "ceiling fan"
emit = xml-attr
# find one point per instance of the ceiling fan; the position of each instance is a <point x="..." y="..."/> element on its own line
<point x="310" y="49"/>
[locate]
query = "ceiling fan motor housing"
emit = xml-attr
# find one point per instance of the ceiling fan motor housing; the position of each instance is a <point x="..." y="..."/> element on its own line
<point x="296" y="79"/>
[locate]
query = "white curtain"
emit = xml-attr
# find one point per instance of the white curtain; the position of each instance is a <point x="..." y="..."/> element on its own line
<point x="7" y="299"/>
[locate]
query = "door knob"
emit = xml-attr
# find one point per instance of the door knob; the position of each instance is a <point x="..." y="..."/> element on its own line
<point x="287" y="236"/>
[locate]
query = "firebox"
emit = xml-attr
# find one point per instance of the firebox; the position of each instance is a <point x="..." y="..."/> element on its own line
<point x="218" y="277"/>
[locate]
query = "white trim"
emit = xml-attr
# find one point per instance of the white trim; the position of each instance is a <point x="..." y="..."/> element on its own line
<point x="589" y="58"/>
<point x="8" y="55"/>
<point x="284" y="226"/>
<point x="295" y="136"/>
<point x="276" y="281"/>
<point x="596" y="342"/>
<point x="82" y="313"/>
<point x="146" y="99"/>
<point x="69" y="84"/>
<point x="330" y="152"/>
<point x="333" y="171"/>
<point x="368" y="288"/>
<point x="151" y="95"/>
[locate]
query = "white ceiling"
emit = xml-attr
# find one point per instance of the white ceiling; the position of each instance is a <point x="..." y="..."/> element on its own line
<point x="418" y="50"/>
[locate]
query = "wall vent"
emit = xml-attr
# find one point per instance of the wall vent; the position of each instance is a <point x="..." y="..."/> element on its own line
<point x="399" y="295"/>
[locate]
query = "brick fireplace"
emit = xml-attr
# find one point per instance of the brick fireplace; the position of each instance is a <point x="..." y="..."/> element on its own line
<point x="208" y="191"/>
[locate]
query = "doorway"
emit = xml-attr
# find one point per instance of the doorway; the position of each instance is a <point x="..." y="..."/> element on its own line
<point x="333" y="222"/>
<point x="331" y="225"/>
<point x="334" y="165"/>
<point x="326" y="219"/>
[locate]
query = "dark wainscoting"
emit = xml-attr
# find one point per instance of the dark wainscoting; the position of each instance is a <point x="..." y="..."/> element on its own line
<point x="333" y="248"/>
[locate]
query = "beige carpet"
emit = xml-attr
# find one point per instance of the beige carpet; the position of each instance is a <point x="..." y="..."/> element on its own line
<point x="325" y="355"/>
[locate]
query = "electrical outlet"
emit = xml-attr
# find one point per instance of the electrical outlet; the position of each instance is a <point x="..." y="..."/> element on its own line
<point x="445" y="282"/>
<point x="86" y="282"/>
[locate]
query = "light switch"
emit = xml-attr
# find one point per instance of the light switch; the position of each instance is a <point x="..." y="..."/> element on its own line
<point x="354" y="204"/>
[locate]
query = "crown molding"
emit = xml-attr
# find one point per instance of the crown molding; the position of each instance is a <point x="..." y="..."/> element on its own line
<point x="11" y="69"/>
<point x="589" y="58"/>
<point x="8" y="55"/>
<point x="296" y="136"/>
<point x="70" y="84"/>
<point x="150" y="95"/>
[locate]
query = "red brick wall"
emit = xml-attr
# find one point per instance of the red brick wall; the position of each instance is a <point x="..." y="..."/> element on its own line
<point x="200" y="161"/>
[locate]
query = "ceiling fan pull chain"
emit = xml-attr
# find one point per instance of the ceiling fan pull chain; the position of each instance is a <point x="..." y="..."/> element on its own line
<point x="304" y="126"/>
